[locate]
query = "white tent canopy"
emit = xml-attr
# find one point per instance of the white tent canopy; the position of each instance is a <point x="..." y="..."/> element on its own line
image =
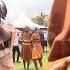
<point x="23" y="21"/>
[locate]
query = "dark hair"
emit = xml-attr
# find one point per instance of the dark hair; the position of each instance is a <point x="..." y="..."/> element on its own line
<point x="3" y="9"/>
<point x="36" y="28"/>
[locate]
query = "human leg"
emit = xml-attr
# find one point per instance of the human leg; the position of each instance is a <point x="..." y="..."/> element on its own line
<point x="14" y="54"/>
<point x="24" y="62"/>
<point x="28" y="65"/>
<point x="40" y="62"/>
<point x="18" y="54"/>
<point x="35" y="63"/>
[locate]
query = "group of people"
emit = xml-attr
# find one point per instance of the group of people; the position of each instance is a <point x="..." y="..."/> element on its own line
<point x="30" y="41"/>
<point x="31" y="45"/>
<point x="31" y="48"/>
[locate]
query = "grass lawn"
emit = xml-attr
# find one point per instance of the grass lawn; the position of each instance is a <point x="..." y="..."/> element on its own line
<point x="19" y="66"/>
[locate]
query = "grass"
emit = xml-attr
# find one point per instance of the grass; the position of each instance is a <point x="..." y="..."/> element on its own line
<point x="19" y="66"/>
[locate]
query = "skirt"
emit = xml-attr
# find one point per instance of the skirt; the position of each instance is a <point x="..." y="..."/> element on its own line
<point x="26" y="53"/>
<point x="37" y="52"/>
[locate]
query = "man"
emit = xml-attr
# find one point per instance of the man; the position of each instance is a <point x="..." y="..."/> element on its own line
<point x="16" y="48"/>
<point x="41" y="38"/>
<point x="6" y="62"/>
<point x="45" y="38"/>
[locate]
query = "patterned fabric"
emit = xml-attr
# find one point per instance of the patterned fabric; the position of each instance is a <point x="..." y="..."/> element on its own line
<point x="26" y="52"/>
<point x="37" y="52"/>
<point x="37" y="48"/>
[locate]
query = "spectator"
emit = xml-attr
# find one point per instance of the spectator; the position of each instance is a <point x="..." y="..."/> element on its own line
<point x="41" y="38"/>
<point x="16" y="48"/>
<point x="45" y="38"/>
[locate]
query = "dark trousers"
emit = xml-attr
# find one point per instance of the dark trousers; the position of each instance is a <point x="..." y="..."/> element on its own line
<point x="44" y="44"/>
<point x="16" y="49"/>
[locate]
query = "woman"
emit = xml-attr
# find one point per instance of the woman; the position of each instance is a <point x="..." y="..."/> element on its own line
<point x="26" y="53"/>
<point x="37" y="49"/>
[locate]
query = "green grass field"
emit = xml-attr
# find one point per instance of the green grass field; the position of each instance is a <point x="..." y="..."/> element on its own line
<point x="19" y="66"/>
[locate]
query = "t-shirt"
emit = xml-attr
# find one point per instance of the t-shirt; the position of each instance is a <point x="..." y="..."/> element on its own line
<point x="16" y="41"/>
<point x="45" y="35"/>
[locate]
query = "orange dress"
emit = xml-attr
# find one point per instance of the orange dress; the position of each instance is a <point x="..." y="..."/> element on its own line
<point x="37" y="48"/>
<point x="26" y="52"/>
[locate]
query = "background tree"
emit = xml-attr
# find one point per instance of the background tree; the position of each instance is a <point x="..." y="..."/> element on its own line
<point x="41" y="20"/>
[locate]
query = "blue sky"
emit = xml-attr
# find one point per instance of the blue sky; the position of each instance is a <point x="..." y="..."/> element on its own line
<point x="30" y="7"/>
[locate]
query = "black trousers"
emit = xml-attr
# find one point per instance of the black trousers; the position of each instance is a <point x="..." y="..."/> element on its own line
<point x="44" y="44"/>
<point x="16" y="49"/>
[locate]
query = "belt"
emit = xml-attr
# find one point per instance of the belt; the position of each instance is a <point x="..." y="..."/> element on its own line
<point x="26" y="42"/>
<point x="36" y="39"/>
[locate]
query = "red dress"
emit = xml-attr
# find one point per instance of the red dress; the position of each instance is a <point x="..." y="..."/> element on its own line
<point x="26" y="52"/>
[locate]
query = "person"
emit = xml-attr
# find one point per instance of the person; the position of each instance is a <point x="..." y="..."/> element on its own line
<point x="45" y="38"/>
<point x="57" y="18"/>
<point x="16" y="48"/>
<point x="6" y="62"/>
<point x="41" y="38"/>
<point x="36" y="49"/>
<point x="61" y="42"/>
<point x="60" y="32"/>
<point x="26" y="50"/>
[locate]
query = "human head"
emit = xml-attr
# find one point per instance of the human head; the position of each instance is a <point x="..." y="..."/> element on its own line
<point x="26" y="29"/>
<point x="3" y="10"/>
<point x="18" y="34"/>
<point x="36" y="28"/>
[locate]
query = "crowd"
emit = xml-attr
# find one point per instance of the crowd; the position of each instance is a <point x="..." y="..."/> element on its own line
<point x="32" y="46"/>
<point x="33" y="42"/>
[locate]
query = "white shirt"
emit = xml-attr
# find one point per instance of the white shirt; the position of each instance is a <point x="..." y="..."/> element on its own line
<point x="45" y="35"/>
<point x="16" y="41"/>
